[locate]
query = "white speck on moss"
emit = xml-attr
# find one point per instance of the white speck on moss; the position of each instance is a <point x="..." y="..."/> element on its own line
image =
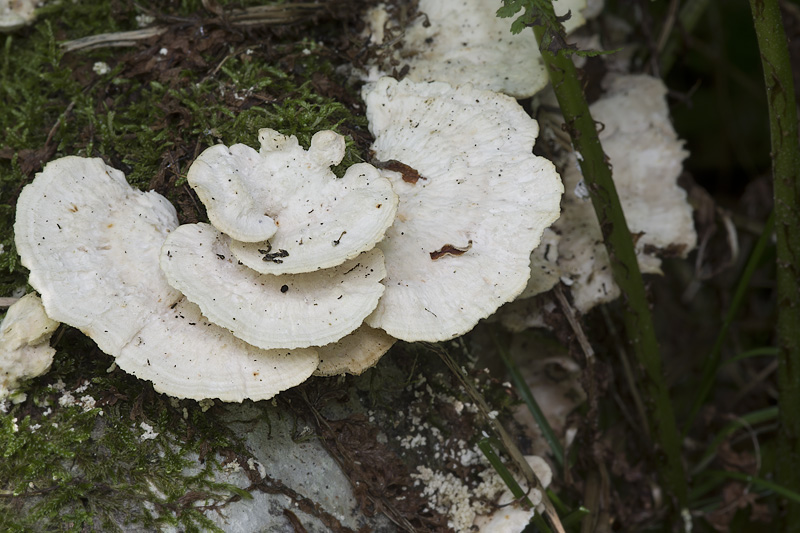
<point x="206" y="404"/>
<point x="87" y="403"/>
<point x="101" y="68"/>
<point x="459" y="406"/>
<point x="148" y="434"/>
<point x="255" y="465"/>
<point x="18" y="397"/>
<point x="66" y="400"/>
<point x="412" y="441"/>
<point x="143" y="19"/>
<point x="450" y="496"/>
<point x="232" y="467"/>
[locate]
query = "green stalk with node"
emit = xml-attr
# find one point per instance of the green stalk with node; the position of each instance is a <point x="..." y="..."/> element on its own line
<point x="777" y="68"/>
<point x="639" y="329"/>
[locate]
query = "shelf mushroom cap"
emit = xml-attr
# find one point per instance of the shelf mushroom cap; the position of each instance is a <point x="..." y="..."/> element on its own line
<point x="474" y="202"/>
<point x="288" y="311"/>
<point x="354" y="353"/>
<point x="24" y="348"/>
<point x="91" y="243"/>
<point x="284" y="208"/>
<point x="222" y="177"/>
<point x="463" y="41"/>
<point x="646" y="156"/>
<point x="15" y="14"/>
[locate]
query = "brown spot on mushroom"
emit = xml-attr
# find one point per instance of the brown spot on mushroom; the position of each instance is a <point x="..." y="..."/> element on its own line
<point x="409" y="174"/>
<point x="449" y="249"/>
<point x="73" y="208"/>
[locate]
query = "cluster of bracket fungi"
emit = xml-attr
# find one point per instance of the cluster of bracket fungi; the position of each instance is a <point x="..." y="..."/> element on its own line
<point x="299" y="272"/>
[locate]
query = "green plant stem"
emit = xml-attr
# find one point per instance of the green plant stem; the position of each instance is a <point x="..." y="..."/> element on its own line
<point x="597" y="175"/>
<point x="575" y="517"/>
<point x="768" y="351"/>
<point x="790" y="495"/>
<point x="786" y="184"/>
<point x="712" y="361"/>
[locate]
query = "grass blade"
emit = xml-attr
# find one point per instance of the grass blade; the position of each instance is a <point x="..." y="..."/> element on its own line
<point x="527" y="396"/>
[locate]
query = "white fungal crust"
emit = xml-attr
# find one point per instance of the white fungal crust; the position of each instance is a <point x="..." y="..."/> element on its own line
<point x="464" y="41"/>
<point x="354" y="353"/>
<point x="24" y="348"/>
<point x="15" y="14"/>
<point x="91" y="243"/>
<point x="318" y="220"/>
<point x="646" y="156"/>
<point x="288" y="311"/>
<point x="461" y="242"/>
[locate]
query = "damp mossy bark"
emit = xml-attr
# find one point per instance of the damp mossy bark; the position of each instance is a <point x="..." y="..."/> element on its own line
<point x="88" y="446"/>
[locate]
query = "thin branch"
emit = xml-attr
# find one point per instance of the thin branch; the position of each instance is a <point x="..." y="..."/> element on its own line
<point x="272" y="15"/>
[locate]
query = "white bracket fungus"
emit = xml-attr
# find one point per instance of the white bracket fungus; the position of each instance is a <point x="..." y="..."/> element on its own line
<point x="464" y="41"/>
<point x="646" y="156"/>
<point x="287" y="311"/>
<point x="24" y="348"/>
<point x="474" y="202"/>
<point x="286" y="210"/>
<point x="15" y="14"/>
<point x="545" y="273"/>
<point x="355" y="353"/>
<point x="91" y="243"/>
